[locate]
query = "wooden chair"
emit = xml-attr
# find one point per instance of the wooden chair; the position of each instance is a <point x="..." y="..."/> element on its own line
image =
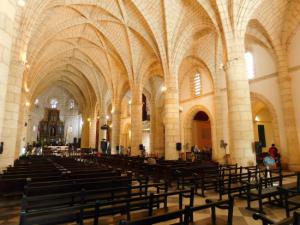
<point x="291" y="197"/>
<point x="295" y="220"/>
<point x="265" y="188"/>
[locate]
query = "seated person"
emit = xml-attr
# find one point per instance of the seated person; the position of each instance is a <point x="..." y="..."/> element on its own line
<point x="151" y="161"/>
<point x="273" y="151"/>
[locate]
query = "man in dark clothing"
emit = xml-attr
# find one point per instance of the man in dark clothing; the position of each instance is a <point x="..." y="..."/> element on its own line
<point x="273" y="151"/>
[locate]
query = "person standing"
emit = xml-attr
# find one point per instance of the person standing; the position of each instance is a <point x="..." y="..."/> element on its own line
<point x="273" y="151"/>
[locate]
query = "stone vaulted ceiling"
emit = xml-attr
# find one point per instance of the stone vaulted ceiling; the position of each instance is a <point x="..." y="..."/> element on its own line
<point x="98" y="48"/>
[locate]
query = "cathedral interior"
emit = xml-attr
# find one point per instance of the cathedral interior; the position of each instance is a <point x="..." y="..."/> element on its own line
<point x="105" y="85"/>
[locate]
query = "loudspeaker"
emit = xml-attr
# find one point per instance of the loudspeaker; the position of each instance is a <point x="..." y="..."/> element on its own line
<point x="104" y="146"/>
<point x="141" y="147"/>
<point x="178" y="146"/>
<point x="1" y="147"/>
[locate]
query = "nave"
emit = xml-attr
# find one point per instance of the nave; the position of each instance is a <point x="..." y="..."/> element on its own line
<point x="115" y="189"/>
<point x="125" y="110"/>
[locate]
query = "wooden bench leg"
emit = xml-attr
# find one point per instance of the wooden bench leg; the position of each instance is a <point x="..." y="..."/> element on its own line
<point x="213" y="215"/>
<point x="260" y="203"/>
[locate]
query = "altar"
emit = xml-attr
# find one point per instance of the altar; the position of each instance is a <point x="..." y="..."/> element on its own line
<point x="51" y="128"/>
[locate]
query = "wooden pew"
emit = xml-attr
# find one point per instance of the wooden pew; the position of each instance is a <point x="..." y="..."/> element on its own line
<point x="86" y="196"/>
<point x="81" y="212"/>
<point x="161" y="218"/>
<point x="185" y="215"/>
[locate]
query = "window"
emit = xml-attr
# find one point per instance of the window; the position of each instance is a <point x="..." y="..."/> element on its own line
<point x="197" y="84"/>
<point x="249" y="65"/>
<point x="53" y="103"/>
<point x="72" y="104"/>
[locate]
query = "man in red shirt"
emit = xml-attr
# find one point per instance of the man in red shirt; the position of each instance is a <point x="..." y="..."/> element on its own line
<point x="273" y="151"/>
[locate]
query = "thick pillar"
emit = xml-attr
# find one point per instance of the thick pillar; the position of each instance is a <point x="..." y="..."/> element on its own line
<point x="11" y="128"/>
<point x="116" y="123"/>
<point x="291" y="156"/>
<point x="152" y="126"/>
<point x="92" y="132"/>
<point x="159" y="133"/>
<point x="171" y="119"/>
<point x="22" y="128"/>
<point x="239" y="106"/>
<point x="136" y="121"/>
<point x="220" y="123"/>
<point x="7" y="17"/>
<point x="102" y="121"/>
<point x="85" y="133"/>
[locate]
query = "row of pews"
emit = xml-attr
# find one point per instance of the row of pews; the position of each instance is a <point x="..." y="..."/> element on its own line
<point x="251" y="183"/>
<point x="129" y="190"/>
<point x="263" y="185"/>
<point x="63" y="190"/>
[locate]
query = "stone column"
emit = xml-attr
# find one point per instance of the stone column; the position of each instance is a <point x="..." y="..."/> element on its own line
<point x="92" y="132"/>
<point x="7" y="17"/>
<point x="292" y="154"/>
<point x="22" y="129"/>
<point x="136" y="121"/>
<point x="152" y="126"/>
<point x="239" y="106"/>
<point x="11" y="128"/>
<point x="159" y="133"/>
<point x="116" y="123"/>
<point x="220" y="123"/>
<point x="171" y="119"/>
<point x="102" y="121"/>
<point x="85" y="133"/>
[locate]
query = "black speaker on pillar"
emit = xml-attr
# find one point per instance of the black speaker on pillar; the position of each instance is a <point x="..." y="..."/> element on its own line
<point x="1" y="147"/>
<point x="79" y="142"/>
<point x="104" y="146"/>
<point x="178" y="146"/>
<point x="141" y="147"/>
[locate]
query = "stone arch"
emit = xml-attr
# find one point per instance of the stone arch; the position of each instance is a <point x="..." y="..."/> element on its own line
<point x="187" y="127"/>
<point x="273" y="113"/>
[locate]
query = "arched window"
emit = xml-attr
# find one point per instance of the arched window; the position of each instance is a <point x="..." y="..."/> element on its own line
<point x="249" y="64"/>
<point x="71" y="104"/>
<point x="197" y="84"/>
<point x="53" y="103"/>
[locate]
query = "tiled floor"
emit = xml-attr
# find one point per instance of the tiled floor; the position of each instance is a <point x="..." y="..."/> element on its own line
<point x="10" y="210"/>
